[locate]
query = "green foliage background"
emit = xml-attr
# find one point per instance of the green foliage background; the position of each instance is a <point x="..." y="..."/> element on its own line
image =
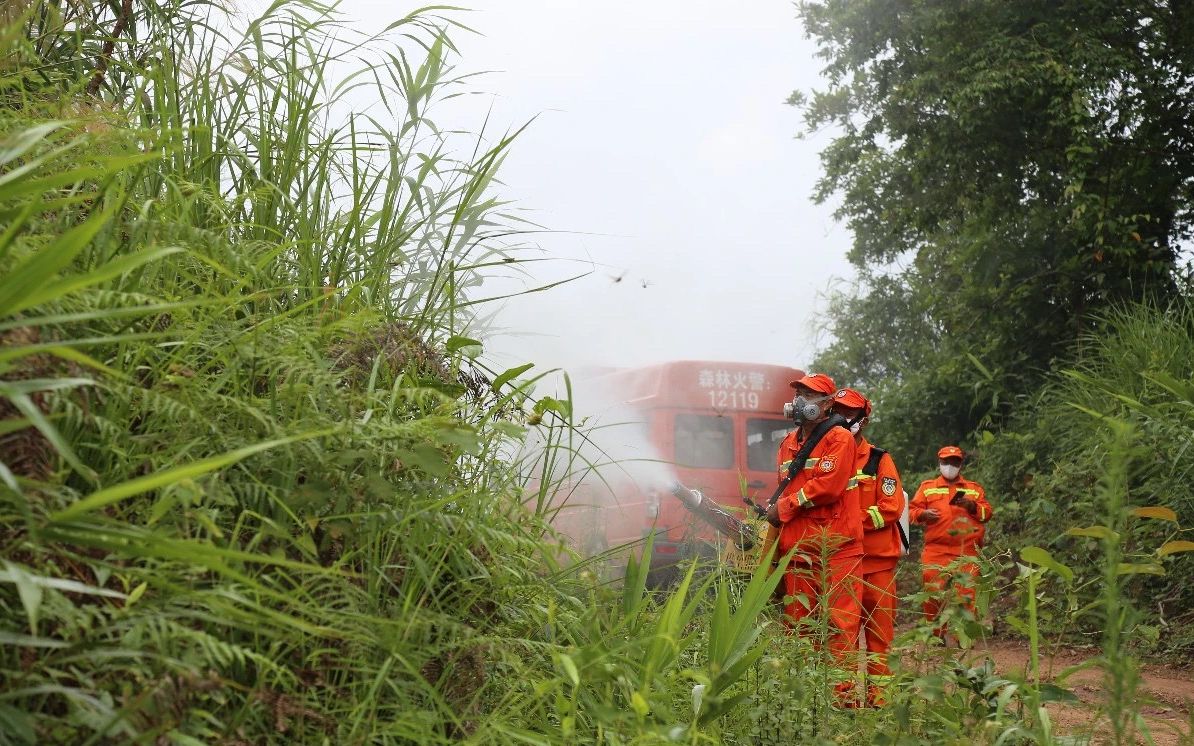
<point x="1018" y="177"/>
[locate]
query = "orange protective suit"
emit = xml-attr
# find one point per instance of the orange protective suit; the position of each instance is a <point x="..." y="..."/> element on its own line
<point x="958" y="533"/>
<point x="819" y="517"/>
<point x="881" y="501"/>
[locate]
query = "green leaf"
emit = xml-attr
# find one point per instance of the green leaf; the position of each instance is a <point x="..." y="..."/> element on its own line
<point x="30" y="277"/>
<point x="30" y="641"/>
<point x="1087" y="410"/>
<point x="17" y="393"/>
<point x="1017" y="624"/>
<point x="510" y="375"/>
<point x="1182" y="389"/>
<point x="13" y="425"/>
<point x="462" y="436"/>
<point x="17" y="352"/>
<point x="511" y="430"/>
<point x="1042" y="558"/>
<point x="467" y="346"/>
<point x="16" y="574"/>
<point x="14" y="188"/>
<point x="135" y="594"/>
<point x="427" y="458"/>
<point x="639" y="705"/>
<point x="634" y="585"/>
<point x="1126" y="568"/>
<point x="1053" y="693"/>
<point x="569" y="667"/>
<point x="114" y="268"/>
<point x="28" y="590"/>
<point x="161" y="479"/>
<point x="16" y="145"/>
<point x="559" y="406"/>
<point x="981" y="368"/>
<point x="18" y="722"/>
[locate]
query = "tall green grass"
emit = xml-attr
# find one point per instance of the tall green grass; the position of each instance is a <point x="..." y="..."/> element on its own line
<point x="251" y="486"/>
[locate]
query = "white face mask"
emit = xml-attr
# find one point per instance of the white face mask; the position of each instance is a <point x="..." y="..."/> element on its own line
<point x="949" y="471"/>
<point x="855" y="428"/>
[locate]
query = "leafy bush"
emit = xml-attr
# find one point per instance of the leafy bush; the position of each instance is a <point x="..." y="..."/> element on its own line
<point x="250" y="475"/>
<point x="1046" y="466"/>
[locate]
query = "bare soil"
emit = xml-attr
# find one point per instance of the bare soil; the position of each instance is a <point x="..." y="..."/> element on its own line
<point x="1165" y="695"/>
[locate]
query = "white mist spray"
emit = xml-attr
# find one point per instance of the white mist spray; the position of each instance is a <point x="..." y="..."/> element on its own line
<point x="609" y="476"/>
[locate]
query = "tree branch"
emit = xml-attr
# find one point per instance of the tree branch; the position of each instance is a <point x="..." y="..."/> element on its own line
<point x="101" y="65"/>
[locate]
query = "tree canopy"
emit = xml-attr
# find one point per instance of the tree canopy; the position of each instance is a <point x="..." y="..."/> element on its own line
<point x="1008" y="170"/>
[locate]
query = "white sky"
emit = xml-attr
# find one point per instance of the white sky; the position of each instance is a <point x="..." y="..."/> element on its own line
<point x="662" y="152"/>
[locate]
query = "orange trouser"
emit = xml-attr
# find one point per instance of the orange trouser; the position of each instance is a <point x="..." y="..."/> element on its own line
<point x="878" y="618"/>
<point x="937" y="579"/>
<point x="843" y="597"/>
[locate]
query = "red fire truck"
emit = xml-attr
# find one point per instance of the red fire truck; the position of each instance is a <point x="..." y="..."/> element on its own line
<point x="713" y="426"/>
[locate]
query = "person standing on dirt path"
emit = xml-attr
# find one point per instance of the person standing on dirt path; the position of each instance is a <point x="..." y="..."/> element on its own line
<point x="954" y="512"/>
<point x="819" y="519"/>
<point x="881" y="500"/>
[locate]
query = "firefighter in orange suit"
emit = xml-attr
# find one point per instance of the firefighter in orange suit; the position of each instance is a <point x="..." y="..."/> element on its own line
<point x="821" y="520"/>
<point x="954" y="512"/>
<point x="880" y="495"/>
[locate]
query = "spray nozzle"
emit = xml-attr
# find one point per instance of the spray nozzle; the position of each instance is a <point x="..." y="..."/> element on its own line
<point x="692" y="498"/>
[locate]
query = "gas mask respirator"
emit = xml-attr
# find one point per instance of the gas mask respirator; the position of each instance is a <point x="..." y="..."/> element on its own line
<point x="803" y="409"/>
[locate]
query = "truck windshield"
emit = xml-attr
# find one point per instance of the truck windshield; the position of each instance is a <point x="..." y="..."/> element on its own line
<point x="762" y="442"/>
<point x="704" y="441"/>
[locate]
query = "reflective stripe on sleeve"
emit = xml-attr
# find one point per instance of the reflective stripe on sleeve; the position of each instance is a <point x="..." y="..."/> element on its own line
<point x="858" y="479"/>
<point x="808" y="464"/>
<point x="876" y="516"/>
<point x="801" y="500"/>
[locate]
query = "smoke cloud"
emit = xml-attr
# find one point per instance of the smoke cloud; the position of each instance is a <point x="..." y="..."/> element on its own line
<point x="606" y="471"/>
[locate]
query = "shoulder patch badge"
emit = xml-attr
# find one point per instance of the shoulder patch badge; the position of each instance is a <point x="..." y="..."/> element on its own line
<point x="827" y="463"/>
<point x="889" y="485"/>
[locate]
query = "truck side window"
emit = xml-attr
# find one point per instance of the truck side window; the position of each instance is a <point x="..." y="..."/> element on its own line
<point x="762" y="441"/>
<point x="704" y="441"/>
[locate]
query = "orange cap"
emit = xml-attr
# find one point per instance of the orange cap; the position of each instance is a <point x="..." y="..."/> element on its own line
<point x="851" y="399"/>
<point x="818" y="382"/>
<point x="950" y="452"/>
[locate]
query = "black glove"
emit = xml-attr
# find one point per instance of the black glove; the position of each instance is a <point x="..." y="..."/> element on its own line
<point x="964" y="502"/>
<point x="773" y="516"/>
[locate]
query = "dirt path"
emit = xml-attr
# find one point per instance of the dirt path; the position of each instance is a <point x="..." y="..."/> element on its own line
<point x="1166" y="694"/>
